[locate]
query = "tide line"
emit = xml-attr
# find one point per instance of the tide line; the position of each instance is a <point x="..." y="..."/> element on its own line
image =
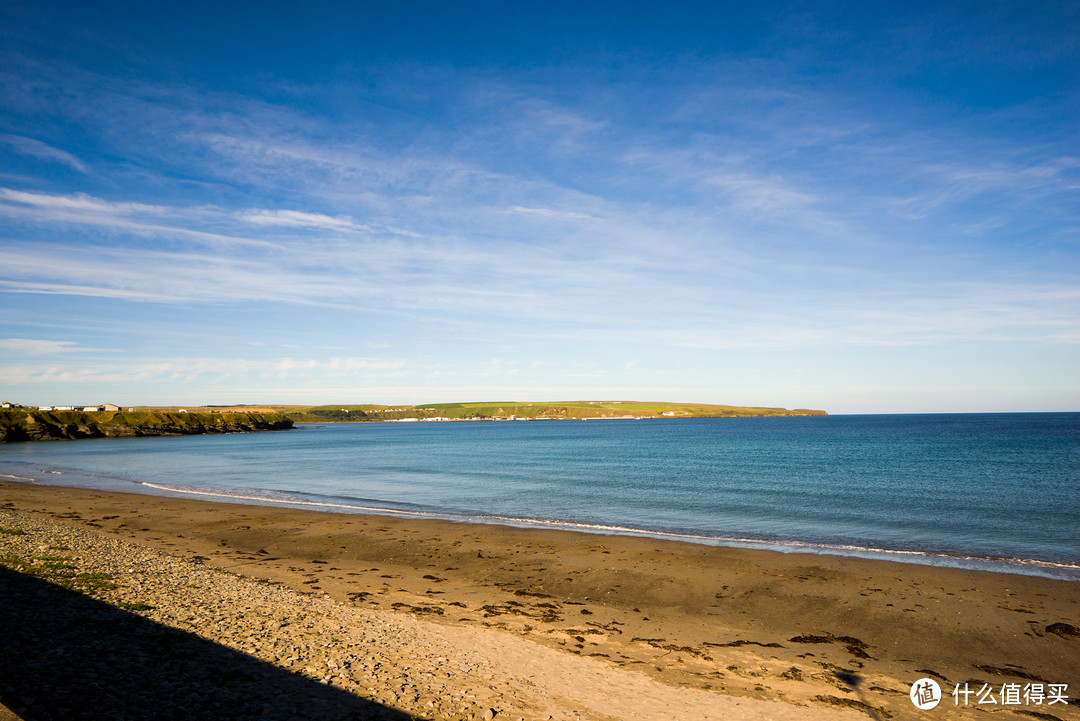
<point x="781" y="545"/>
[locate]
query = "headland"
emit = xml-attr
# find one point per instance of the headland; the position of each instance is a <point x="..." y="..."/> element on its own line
<point x="29" y="424"/>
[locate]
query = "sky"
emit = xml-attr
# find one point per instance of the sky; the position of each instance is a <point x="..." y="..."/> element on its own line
<point x="856" y="207"/>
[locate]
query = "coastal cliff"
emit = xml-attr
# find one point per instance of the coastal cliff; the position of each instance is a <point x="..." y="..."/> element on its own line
<point x="25" y="424"/>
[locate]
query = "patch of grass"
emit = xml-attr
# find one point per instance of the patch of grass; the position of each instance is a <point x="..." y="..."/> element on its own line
<point x="94" y="581"/>
<point x="136" y="606"/>
<point x="56" y="570"/>
<point x="14" y="562"/>
<point x="12" y="531"/>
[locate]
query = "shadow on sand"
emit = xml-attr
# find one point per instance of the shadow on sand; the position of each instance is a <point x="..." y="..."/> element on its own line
<point x="65" y="656"/>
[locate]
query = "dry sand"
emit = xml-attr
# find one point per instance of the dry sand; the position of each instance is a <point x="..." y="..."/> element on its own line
<point x="534" y="623"/>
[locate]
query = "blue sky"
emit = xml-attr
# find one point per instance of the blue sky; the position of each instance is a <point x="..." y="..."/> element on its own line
<point x="850" y="206"/>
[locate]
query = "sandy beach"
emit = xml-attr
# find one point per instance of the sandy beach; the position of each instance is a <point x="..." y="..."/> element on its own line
<point x="435" y="619"/>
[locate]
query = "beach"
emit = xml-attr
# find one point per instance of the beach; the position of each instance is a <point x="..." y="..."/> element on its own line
<point x="446" y="620"/>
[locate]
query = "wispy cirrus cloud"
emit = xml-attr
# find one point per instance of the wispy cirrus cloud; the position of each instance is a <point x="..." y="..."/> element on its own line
<point x="34" y="347"/>
<point x="201" y="369"/>
<point x="140" y="219"/>
<point x="551" y="213"/>
<point x="37" y="149"/>
<point x="78" y="203"/>
<point x="300" y="219"/>
<point x="1056" y="182"/>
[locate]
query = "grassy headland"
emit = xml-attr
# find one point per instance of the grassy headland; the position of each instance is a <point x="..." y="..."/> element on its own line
<point x="28" y="424"/>
<point x="518" y="410"/>
<point x="24" y="423"/>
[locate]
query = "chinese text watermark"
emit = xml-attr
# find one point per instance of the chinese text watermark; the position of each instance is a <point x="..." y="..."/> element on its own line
<point x="1013" y="694"/>
<point x="926" y="694"/>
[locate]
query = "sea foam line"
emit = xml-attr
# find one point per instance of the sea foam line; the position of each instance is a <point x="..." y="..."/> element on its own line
<point x="779" y="543"/>
<point x="18" y="478"/>
<point x="290" y="501"/>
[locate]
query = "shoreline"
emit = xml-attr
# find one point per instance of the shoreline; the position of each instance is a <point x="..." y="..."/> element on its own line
<point x="741" y="623"/>
<point x="1058" y="570"/>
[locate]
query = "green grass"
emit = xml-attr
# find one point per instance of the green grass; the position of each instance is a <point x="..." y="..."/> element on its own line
<point x="94" y="581"/>
<point x="56" y="570"/>
<point x="12" y="532"/>
<point x="136" y="606"/>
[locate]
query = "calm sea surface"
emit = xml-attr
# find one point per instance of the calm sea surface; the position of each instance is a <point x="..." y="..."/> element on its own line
<point x="999" y="490"/>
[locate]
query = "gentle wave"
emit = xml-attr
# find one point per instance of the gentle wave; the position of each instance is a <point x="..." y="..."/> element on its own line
<point x="812" y="547"/>
<point x="276" y="497"/>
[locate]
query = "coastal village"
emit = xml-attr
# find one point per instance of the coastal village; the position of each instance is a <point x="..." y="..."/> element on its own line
<point x="84" y="409"/>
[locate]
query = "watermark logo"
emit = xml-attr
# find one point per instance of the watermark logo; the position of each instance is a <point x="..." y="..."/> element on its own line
<point x="925" y="694"/>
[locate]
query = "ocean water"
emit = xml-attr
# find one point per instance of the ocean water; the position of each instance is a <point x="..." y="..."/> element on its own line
<point x="1000" y="491"/>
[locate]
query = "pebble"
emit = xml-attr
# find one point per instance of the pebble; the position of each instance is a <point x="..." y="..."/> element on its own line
<point x="377" y="654"/>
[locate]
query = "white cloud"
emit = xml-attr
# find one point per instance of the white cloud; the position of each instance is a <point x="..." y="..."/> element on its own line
<point x="87" y="291"/>
<point x="80" y="202"/>
<point x="37" y="149"/>
<point x="29" y="346"/>
<point x="299" y="219"/>
<point x="550" y="213"/>
<point x="768" y="194"/>
<point x="211" y="371"/>
<point x="153" y="221"/>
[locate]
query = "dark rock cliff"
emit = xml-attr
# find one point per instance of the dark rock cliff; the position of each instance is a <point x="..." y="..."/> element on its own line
<point x="24" y="424"/>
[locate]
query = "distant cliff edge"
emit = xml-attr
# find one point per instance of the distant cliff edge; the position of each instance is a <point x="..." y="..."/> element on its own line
<point x="25" y="424"/>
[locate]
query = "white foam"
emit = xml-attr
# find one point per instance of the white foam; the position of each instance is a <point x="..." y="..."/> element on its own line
<point x="217" y="493"/>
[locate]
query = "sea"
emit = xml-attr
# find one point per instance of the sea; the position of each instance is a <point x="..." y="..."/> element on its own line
<point x="992" y="491"/>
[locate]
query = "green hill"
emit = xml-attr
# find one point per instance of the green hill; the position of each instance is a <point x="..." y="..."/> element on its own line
<point x="546" y="410"/>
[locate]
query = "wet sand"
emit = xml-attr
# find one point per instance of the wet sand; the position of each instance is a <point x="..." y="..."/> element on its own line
<point x="823" y="632"/>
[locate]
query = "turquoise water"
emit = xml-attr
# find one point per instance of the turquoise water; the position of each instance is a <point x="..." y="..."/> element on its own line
<point x="1002" y="489"/>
